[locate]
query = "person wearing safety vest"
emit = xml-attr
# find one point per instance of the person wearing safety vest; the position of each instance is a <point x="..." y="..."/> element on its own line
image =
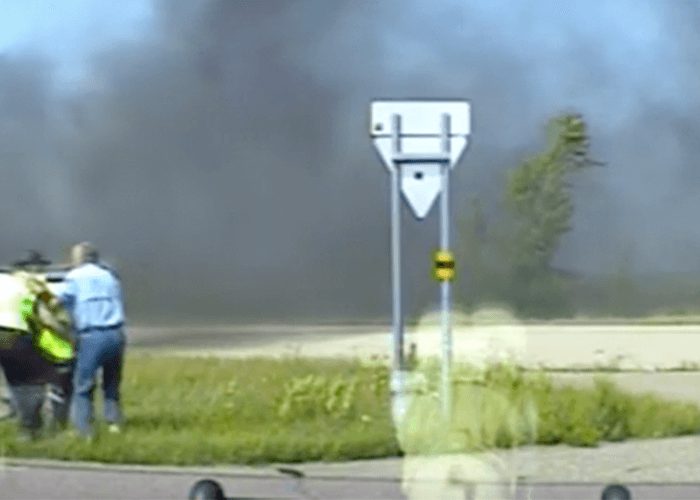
<point x="52" y="337"/>
<point x="34" y="351"/>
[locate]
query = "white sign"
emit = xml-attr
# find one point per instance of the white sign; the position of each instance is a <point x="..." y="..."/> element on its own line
<point x="421" y="184"/>
<point x="420" y="138"/>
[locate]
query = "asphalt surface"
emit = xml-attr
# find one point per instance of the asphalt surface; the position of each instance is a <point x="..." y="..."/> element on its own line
<point x="29" y="482"/>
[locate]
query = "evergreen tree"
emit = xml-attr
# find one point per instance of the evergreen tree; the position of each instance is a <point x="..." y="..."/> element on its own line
<point x="539" y="197"/>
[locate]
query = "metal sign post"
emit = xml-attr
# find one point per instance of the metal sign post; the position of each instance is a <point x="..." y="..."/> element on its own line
<point x="420" y="142"/>
<point x="445" y="296"/>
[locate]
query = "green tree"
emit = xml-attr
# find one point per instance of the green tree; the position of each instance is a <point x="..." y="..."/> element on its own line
<point x="539" y="197"/>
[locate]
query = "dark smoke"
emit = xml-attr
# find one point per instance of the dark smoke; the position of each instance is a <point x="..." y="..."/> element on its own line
<point x="222" y="161"/>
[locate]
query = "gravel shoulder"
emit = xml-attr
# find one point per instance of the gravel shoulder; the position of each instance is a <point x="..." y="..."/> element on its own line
<point x="569" y="347"/>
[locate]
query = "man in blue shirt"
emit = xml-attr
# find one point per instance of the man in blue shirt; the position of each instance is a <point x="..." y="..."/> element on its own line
<point x="93" y="296"/>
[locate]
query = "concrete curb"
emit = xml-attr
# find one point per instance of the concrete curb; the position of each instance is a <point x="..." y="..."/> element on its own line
<point x="380" y="471"/>
<point x="230" y="471"/>
<point x="272" y="471"/>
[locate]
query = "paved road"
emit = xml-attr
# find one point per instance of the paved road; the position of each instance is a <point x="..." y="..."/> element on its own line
<point x="78" y="486"/>
<point x="56" y="484"/>
<point x="22" y="482"/>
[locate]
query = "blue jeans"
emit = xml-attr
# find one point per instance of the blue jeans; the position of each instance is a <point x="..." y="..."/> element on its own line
<point x="97" y="349"/>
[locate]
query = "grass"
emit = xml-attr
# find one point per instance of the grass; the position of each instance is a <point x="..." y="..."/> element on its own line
<point x="504" y="407"/>
<point x="208" y="410"/>
<point x="200" y="411"/>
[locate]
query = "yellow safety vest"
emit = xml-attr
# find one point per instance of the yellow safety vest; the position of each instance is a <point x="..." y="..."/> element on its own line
<point x="51" y="345"/>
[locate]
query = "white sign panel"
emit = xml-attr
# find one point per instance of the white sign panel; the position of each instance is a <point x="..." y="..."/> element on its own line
<point x="421" y="184"/>
<point x="419" y="148"/>
<point x="421" y="127"/>
<point x="420" y="118"/>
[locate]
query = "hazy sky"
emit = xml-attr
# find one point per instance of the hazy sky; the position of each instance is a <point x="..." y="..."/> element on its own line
<point x="70" y="30"/>
<point x="218" y="152"/>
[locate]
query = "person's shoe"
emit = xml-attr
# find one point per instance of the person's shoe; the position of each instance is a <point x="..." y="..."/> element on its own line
<point x="114" y="429"/>
<point x="88" y="438"/>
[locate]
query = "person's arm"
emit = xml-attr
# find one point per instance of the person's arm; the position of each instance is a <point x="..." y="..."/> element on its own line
<point x="52" y="301"/>
<point x="60" y="325"/>
<point x="38" y="287"/>
<point x="120" y="294"/>
<point x="65" y="296"/>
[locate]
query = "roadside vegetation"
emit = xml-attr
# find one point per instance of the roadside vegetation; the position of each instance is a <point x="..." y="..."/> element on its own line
<point x="201" y="411"/>
<point x="509" y="248"/>
<point x="508" y="245"/>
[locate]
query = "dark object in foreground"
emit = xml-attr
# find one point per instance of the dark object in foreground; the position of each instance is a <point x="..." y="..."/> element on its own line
<point x="296" y="474"/>
<point x="206" y="489"/>
<point x="32" y="258"/>
<point x="616" y="492"/>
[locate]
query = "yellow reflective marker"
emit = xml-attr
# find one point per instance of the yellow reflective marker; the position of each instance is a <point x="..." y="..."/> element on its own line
<point x="443" y="265"/>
